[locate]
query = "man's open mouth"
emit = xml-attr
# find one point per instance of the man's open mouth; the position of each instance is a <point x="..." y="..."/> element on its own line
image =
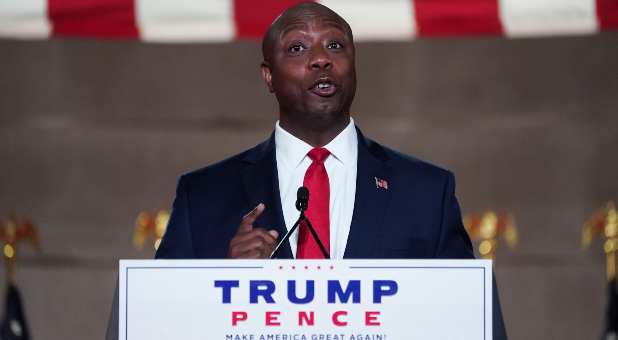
<point x="324" y="88"/>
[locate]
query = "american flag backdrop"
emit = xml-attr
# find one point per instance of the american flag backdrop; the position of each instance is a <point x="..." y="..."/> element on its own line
<point x="229" y="20"/>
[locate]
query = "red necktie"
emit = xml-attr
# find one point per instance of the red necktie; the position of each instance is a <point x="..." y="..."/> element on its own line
<point x="316" y="180"/>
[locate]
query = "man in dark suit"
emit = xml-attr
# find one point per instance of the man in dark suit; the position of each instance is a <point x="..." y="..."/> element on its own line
<point x="366" y="201"/>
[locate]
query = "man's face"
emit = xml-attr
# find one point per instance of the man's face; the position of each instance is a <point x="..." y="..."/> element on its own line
<point x="311" y="68"/>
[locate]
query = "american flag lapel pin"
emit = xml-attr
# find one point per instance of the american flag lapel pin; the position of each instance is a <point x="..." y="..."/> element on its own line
<point x="381" y="183"/>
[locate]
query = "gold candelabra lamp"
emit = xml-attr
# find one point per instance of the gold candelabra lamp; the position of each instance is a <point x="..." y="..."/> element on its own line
<point x="488" y="228"/>
<point x="12" y="232"/>
<point x="604" y="223"/>
<point x="150" y="226"/>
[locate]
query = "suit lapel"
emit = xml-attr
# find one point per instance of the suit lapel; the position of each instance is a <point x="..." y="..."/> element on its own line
<point x="262" y="185"/>
<point x="371" y="200"/>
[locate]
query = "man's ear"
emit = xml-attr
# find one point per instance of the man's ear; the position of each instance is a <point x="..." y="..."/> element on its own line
<point x="267" y="75"/>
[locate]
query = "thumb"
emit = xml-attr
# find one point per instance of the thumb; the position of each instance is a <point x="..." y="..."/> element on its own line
<point x="274" y="233"/>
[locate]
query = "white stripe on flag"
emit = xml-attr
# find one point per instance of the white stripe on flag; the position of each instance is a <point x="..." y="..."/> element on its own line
<point x="548" y="17"/>
<point x="185" y="20"/>
<point x="26" y="19"/>
<point x="376" y="20"/>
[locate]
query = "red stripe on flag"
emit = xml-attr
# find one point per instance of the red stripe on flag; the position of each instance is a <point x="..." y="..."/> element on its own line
<point x="457" y="17"/>
<point x="93" y="18"/>
<point x="253" y="17"/>
<point x="607" y="11"/>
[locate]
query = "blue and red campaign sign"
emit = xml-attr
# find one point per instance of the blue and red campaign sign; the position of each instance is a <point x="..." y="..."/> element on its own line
<point x="305" y="299"/>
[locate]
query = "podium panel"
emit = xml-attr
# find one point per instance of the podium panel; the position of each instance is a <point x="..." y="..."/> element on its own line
<point x="305" y="299"/>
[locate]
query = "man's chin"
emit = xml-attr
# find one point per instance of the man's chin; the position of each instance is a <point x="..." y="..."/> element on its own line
<point x="326" y="115"/>
<point x="326" y="109"/>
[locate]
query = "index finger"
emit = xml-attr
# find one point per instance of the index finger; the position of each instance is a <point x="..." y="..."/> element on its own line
<point x="250" y="218"/>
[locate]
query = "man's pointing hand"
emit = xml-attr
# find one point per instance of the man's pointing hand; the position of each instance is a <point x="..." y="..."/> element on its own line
<point x="250" y="242"/>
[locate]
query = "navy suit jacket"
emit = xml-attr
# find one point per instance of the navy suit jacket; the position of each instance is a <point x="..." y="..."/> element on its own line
<point x="417" y="217"/>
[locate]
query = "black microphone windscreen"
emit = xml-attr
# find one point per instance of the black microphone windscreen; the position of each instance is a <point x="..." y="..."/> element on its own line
<point x="302" y="199"/>
<point x="302" y="193"/>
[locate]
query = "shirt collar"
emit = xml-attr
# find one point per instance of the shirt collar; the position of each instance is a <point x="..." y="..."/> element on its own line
<point x="293" y="150"/>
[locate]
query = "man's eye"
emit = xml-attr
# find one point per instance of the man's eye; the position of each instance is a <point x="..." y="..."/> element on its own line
<point x="296" y="48"/>
<point x="335" y="45"/>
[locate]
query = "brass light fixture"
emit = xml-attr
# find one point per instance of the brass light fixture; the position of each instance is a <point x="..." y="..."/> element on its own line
<point x="604" y="223"/>
<point x="150" y="226"/>
<point x="488" y="228"/>
<point x="12" y="232"/>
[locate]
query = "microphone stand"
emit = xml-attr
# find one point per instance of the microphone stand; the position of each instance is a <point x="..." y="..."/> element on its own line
<point x="315" y="235"/>
<point x="301" y="218"/>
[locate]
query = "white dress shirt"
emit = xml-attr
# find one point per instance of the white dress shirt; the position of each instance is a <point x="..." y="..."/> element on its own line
<point x="341" y="166"/>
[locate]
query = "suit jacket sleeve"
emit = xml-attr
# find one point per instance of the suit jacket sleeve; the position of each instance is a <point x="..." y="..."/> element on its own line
<point x="177" y="242"/>
<point x="454" y="242"/>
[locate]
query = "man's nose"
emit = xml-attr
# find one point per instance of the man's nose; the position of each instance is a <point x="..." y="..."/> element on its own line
<point x="320" y="60"/>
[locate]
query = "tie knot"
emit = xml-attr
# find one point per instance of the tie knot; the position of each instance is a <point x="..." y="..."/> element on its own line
<point x="318" y="154"/>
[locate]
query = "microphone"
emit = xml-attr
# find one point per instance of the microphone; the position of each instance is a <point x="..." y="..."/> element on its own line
<point x="302" y="203"/>
<point x="302" y="199"/>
